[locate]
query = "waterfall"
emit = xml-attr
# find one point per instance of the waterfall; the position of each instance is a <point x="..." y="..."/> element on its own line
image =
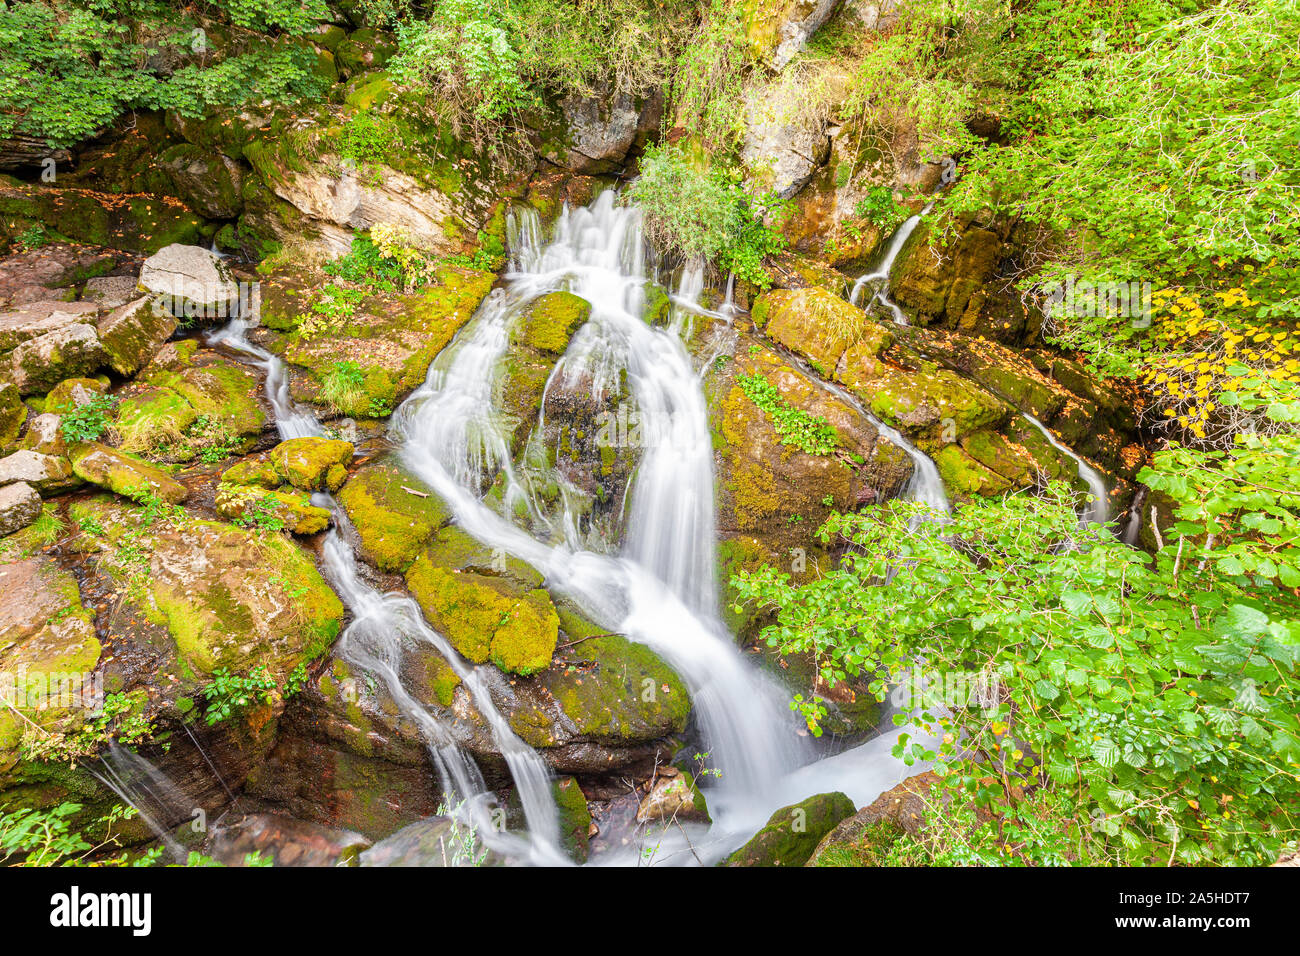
<point x="1097" y="511"/>
<point x="661" y="591"/>
<point x="881" y="273"/>
<point x="383" y="624"/>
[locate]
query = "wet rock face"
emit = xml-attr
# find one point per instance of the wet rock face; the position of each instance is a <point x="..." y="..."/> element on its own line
<point x="209" y="182"/>
<point x="284" y="840"/>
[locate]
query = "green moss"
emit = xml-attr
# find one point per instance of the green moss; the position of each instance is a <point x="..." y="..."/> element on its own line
<point x="392" y="522"/>
<point x="123" y="474"/>
<point x="575" y="817"/>
<point x="792" y="833"/>
<point x="223" y="391"/>
<point x="309" y="463"/>
<point x="12" y="414"/>
<point x="526" y="639"/>
<point x="549" y="322"/>
<point x="62" y="398"/>
<point x="869" y="847"/>
<point x="154" y="417"/>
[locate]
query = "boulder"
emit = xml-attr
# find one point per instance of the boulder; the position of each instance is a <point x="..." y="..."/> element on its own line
<point x="48" y="649"/>
<point x="865" y="838"/>
<point x="673" y="796"/>
<point x="293" y="508"/>
<point x="780" y="153"/>
<point x="109" y="292"/>
<point x="12" y="413"/>
<point x="191" y="283"/>
<point x="20" y="505"/>
<point x="132" y="333"/>
<point x="39" y="364"/>
<point x="119" y="473"/>
<point x="312" y="464"/>
<point x="792" y="833"/>
<point x="45" y="473"/>
<point x="44" y="436"/>
<point x="601" y="130"/>
<point x="33" y="319"/>
<point x="72" y="393"/>
<point x="778" y="29"/>
<point x="393" y="513"/>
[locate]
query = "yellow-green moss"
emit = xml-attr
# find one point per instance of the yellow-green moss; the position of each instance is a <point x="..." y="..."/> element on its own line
<point x="392" y="522"/>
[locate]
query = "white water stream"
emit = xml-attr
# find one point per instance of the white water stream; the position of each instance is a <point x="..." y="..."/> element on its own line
<point x="661" y="590"/>
<point x="880" y="277"/>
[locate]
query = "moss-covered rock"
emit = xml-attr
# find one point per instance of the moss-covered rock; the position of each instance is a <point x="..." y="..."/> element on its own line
<point x="312" y="464"/>
<point x="549" y="321"/>
<point x="132" y="333"/>
<point x="48" y="652"/>
<point x="792" y="833"/>
<point x="673" y="797"/>
<point x="393" y="512"/>
<point x="152" y="418"/>
<point x="575" y="817"/>
<point x="13" y="413"/>
<point x="218" y="389"/>
<point x="818" y="325"/>
<point x="40" y="363"/>
<point x="228" y="598"/>
<point x="72" y="392"/>
<point x="122" y="474"/>
<point x="208" y="181"/>
<point x="487" y="618"/>
<point x="293" y="508"/>
<point x="866" y="838"/>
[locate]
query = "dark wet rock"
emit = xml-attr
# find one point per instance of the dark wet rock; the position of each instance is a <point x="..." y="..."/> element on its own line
<point x="285" y="841"/>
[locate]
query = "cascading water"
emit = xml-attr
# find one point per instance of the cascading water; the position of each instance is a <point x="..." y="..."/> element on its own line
<point x="1097" y="510"/>
<point x="880" y="277"/>
<point x="662" y="591"/>
<point x="382" y="626"/>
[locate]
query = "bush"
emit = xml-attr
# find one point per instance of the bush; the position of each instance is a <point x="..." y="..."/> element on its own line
<point x="692" y="212"/>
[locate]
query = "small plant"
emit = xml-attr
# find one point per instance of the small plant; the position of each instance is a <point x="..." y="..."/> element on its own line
<point x="297" y="681"/>
<point x="259" y="514"/>
<point x="333" y="307"/>
<point x="463" y="843"/>
<point x="879" y="209"/>
<point x="811" y="434"/>
<point x="33" y="237"/>
<point x="228" y="694"/>
<point x="344" y="387"/>
<point x="89" y="421"/>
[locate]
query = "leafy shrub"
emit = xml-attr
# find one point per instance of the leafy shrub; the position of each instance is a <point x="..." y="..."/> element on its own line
<point x="696" y="213"/>
<point x="1157" y="703"/>
<point x="227" y="694"/>
<point x="344" y="387"/>
<point x="811" y="434"/>
<point x="88" y="421"/>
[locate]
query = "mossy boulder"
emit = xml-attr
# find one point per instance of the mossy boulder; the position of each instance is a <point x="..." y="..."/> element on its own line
<point x="132" y="333"/>
<point x="312" y="464"/>
<point x="363" y="50"/>
<point x="48" y="651"/>
<point x="792" y="833"/>
<point x="392" y="338"/>
<point x="818" y="325"/>
<point x="293" y="508"/>
<point x="674" y="797"/>
<point x="394" y="513"/>
<point x="152" y="418"/>
<point x="226" y="597"/>
<point x="866" y="838"/>
<point x="40" y="363"/>
<point x="123" y="474"/>
<point x="13" y="413"/>
<point x="72" y="392"/>
<point x="48" y="474"/>
<point x="548" y="323"/>
<point x="223" y="391"/>
<point x="486" y="618"/>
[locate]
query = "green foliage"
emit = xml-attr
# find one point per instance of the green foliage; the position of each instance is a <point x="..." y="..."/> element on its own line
<point x="693" y="212"/>
<point x="68" y="68"/>
<point x="878" y="208"/>
<point x="228" y="694"/>
<point x="811" y="434"/>
<point x="119" y="718"/>
<point x="88" y="421"/>
<point x="331" y="309"/>
<point x="33" y="237"/>
<point x="260" y="515"/>
<point x="344" y="387"/>
<point x="1156" y="699"/>
<point x="31" y="837"/>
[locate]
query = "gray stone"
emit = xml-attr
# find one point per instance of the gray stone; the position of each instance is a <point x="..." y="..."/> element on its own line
<point x="45" y="473"/>
<point x="70" y="352"/>
<point x="190" y="282"/>
<point x="20" y="505"/>
<point x="132" y="333"/>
